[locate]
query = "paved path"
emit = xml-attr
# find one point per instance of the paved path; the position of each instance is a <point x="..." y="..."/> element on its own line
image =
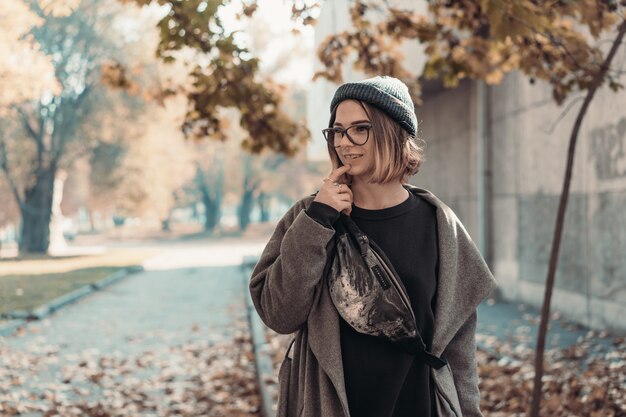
<point x="189" y="297"/>
<point x="186" y="292"/>
<point x="518" y="324"/>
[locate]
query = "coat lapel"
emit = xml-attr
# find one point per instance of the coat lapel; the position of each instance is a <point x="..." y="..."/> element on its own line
<point x="464" y="277"/>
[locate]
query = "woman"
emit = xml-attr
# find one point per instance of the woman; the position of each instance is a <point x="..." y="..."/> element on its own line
<point x="335" y="370"/>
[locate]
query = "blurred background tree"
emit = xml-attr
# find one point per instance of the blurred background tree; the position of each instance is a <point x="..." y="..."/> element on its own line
<point x="50" y="127"/>
<point x="223" y="74"/>
<point x="232" y="97"/>
<point x="23" y="76"/>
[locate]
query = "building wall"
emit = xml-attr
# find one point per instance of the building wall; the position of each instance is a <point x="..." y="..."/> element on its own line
<point x="447" y="125"/>
<point x="526" y="147"/>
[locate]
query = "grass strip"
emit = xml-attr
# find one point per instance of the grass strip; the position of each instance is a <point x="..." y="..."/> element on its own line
<point x="29" y="291"/>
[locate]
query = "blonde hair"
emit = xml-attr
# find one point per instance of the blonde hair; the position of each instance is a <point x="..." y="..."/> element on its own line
<point x="397" y="154"/>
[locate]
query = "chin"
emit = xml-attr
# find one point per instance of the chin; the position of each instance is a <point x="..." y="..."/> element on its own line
<point x="357" y="172"/>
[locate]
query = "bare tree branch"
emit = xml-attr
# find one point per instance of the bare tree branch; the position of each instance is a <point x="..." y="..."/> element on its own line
<point x="530" y="106"/>
<point x="570" y="106"/>
<point x="35" y="134"/>
<point x="4" y="164"/>
<point x="558" y="228"/>
<point x="64" y="125"/>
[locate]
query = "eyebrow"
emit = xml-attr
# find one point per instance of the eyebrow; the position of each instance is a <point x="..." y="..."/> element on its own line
<point x="353" y="123"/>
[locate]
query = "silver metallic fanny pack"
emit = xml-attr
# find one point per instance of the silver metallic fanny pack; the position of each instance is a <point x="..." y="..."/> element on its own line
<point x="368" y="293"/>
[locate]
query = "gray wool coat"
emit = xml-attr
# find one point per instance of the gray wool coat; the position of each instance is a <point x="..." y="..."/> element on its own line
<point x="291" y="295"/>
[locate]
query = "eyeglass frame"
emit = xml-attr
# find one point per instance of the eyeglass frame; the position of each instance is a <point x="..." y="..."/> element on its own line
<point x="344" y="132"/>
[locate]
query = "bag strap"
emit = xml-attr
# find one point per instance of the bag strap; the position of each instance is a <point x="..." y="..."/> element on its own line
<point x="433" y="361"/>
<point x="363" y="242"/>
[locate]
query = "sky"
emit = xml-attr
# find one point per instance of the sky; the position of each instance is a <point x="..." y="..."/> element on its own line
<point x="273" y="37"/>
<point x="273" y="19"/>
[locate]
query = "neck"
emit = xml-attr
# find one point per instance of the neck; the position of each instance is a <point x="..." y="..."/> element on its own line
<point x="377" y="196"/>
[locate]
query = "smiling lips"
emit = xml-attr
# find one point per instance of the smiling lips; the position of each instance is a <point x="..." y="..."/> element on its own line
<point x="352" y="156"/>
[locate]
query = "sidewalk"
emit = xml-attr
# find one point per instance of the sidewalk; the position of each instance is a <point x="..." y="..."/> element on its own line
<point x="518" y="323"/>
<point x="172" y="340"/>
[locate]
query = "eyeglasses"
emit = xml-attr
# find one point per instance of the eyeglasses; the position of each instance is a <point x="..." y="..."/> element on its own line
<point x="357" y="134"/>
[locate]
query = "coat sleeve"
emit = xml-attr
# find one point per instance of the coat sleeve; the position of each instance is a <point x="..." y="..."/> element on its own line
<point x="461" y="355"/>
<point x="284" y="281"/>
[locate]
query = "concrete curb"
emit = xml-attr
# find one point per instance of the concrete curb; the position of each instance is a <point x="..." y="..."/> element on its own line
<point x="11" y="326"/>
<point x="262" y="349"/>
<point x="21" y="318"/>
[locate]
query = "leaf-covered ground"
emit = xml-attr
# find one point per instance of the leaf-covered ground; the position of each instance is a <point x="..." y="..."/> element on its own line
<point x="192" y="379"/>
<point x="218" y="379"/>
<point x="585" y="380"/>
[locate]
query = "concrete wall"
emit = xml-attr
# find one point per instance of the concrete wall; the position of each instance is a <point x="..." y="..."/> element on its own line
<point x="447" y="124"/>
<point x="526" y="153"/>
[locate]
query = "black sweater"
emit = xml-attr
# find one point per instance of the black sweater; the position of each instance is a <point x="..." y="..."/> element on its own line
<point x="382" y="380"/>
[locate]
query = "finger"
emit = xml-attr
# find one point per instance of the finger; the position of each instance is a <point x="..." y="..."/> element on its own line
<point x="337" y="188"/>
<point x="345" y="197"/>
<point x="332" y="187"/>
<point x="337" y="173"/>
<point x="343" y="204"/>
<point x="345" y="190"/>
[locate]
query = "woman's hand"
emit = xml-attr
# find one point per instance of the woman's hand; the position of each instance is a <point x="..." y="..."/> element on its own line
<point x="335" y="194"/>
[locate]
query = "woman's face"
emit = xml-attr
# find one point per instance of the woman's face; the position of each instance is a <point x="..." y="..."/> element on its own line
<point x="360" y="157"/>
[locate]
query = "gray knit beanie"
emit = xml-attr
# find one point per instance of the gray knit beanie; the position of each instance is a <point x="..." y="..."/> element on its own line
<point x="385" y="93"/>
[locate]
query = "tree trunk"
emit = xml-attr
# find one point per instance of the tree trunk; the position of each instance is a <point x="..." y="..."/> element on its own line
<point x="558" y="229"/>
<point x="92" y="224"/>
<point x="245" y="209"/>
<point x="211" y="211"/>
<point x="212" y="207"/>
<point x="263" y="201"/>
<point x="166" y="224"/>
<point x="211" y="194"/>
<point x="208" y="209"/>
<point x="36" y="214"/>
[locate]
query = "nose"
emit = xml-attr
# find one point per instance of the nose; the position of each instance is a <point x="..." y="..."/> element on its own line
<point x="344" y="140"/>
